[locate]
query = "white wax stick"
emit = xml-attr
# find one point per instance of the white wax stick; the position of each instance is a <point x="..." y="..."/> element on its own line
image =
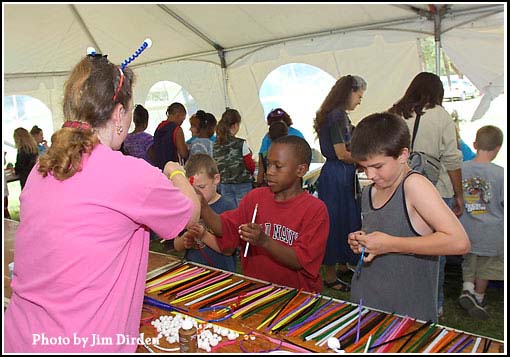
<point x="368" y="344"/>
<point x="252" y="221"/>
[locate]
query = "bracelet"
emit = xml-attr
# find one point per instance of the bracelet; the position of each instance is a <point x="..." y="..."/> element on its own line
<point x="176" y="172"/>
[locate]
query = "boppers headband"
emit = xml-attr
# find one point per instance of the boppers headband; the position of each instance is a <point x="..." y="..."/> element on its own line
<point x="146" y="44"/>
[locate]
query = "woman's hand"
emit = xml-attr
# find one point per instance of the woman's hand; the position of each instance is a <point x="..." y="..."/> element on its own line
<point x="172" y="166"/>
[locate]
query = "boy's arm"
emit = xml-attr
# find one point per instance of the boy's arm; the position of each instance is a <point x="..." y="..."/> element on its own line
<point x="212" y="242"/>
<point x="188" y="239"/>
<point x="442" y="232"/>
<point x="211" y="218"/>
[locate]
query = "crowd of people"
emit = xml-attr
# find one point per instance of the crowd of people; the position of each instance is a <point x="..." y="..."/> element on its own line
<point x="205" y="197"/>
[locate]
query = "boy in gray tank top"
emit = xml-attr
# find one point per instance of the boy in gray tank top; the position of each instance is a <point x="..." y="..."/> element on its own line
<point x="405" y="224"/>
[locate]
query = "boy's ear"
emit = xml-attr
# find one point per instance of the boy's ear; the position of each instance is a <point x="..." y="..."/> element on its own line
<point x="302" y="169"/>
<point x="404" y="155"/>
<point x="474" y="145"/>
<point x="217" y="179"/>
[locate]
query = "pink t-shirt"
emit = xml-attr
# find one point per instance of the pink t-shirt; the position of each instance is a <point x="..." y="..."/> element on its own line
<point x="81" y="254"/>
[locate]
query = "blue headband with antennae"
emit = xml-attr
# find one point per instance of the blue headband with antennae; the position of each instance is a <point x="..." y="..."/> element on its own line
<point x="146" y="44"/>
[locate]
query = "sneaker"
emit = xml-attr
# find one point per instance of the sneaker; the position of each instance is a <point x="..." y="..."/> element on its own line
<point x="474" y="308"/>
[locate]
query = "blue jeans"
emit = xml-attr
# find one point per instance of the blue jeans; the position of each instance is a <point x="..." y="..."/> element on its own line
<point x="235" y="191"/>
<point x="442" y="263"/>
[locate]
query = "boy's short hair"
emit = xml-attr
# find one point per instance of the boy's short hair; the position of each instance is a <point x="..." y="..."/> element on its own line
<point x="277" y="129"/>
<point x="488" y="138"/>
<point x="380" y="134"/>
<point x="201" y="162"/>
<point x="140" y="115"/>
<point x="302" y="151"/>
<point x="175" y="108"/>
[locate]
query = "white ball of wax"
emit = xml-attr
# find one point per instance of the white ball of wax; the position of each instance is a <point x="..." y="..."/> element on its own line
<point x="333" y="343"/>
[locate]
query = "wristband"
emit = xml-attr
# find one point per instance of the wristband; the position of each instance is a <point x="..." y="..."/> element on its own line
<point x="176" y="172"/>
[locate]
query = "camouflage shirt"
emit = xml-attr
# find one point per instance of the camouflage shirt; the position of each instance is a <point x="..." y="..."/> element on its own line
<point x="229" y="158"/>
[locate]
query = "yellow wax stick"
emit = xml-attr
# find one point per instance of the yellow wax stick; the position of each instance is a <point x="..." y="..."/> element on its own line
<point x="166" y="286"/>
<point x="166" y="276"/>
<point x="201" y="291"/>
<point x="252" y="297"/>
<point x="265" y="322"/>
<point x="226" y="302"/>
<point x="292" y="315"/>
<point x="178" y="276"/>
<point x="250" y="306"/>
<point x="272" y="296"/>
<point x="170" y="274"/>
<point x="176" y="279"/>
<point x="276" y="312"/>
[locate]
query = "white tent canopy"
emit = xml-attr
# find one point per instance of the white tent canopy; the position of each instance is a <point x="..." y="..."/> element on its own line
<point x="221" y="53"/>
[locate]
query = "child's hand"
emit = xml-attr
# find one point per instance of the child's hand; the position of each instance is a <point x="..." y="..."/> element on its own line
<point x="193" y="236"/>
<point x="188" y="239"/>
<point x="203" y="200"/>
<point x="375" y="243"/>
<point x="352" y="239"/>
<point x="253" y="234"/>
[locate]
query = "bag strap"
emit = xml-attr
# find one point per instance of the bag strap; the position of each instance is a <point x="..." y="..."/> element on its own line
<point x="415" y="129"/>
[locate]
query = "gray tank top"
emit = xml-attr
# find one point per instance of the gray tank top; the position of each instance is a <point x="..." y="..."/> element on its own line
<point x="405" y="284"/>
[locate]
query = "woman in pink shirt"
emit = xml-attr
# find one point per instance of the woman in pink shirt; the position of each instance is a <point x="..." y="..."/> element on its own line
<point x="81" y="249"/>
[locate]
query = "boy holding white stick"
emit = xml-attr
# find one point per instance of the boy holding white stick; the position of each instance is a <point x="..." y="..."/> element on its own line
<point x="288" y="237"/>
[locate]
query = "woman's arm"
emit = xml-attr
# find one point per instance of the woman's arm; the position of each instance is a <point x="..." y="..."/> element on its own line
<point x="180" y="181"/>
<point x="342" y="153"/>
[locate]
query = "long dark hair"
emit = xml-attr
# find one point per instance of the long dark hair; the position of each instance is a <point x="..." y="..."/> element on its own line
<point x="338" y="97"/>
<point x="229" y="118"/>
<point x="425" y="92"/>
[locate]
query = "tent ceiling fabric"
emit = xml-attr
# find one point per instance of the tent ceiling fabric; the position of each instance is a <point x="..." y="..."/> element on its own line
<point x="42" y="42"/>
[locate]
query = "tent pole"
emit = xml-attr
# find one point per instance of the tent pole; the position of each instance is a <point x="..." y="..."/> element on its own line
<point x="221" y="54"/>
<point x="437" y="39"/>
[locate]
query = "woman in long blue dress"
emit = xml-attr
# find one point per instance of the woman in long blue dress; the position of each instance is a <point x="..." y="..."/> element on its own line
<point x="337" y="183"/>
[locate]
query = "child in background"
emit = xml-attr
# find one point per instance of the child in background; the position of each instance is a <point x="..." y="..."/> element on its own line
<point x="233" y="157"/>
<point x="37" y="133"/>
<point x="205" y="126"/>
<point x="138" y="142"/>
<point x="276" y="130"/>
<point x="406" y="224"/>
<point x="286" y="233"/>
<point x="204" y="175"/>
<point x="483" y="188"/>
<point x="274" y="115"/>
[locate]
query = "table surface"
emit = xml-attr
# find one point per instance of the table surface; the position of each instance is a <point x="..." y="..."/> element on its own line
<point x="159" y="263"/>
